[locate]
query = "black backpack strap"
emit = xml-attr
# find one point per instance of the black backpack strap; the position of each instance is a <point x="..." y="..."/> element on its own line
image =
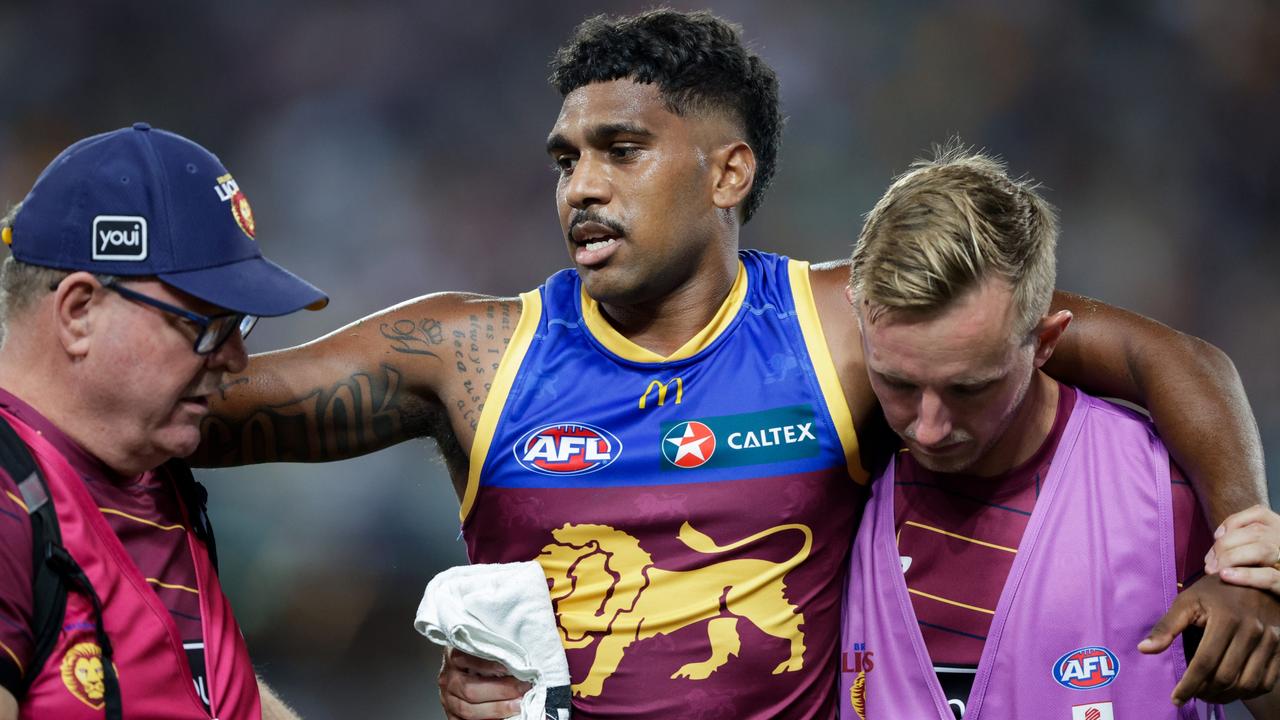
<point x="196" y="499"/>
<point x="54" y="571"/>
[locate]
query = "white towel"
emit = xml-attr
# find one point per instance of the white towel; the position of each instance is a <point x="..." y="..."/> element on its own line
<point x="502" y="612"/>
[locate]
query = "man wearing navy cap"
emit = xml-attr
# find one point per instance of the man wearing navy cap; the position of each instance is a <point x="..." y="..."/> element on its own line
<point x="133" y="280"/>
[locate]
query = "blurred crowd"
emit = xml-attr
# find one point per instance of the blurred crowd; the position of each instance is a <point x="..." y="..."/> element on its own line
<point x="393" y="148"/>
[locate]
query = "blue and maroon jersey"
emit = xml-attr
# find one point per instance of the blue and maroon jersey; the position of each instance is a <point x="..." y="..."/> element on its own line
<point x="692" y="513"/>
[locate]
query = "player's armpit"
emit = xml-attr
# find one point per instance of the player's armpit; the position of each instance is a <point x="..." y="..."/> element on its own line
<point x="1190" y="387"/>
<point x="395" y="375"/>
<point x="8" y="705"/>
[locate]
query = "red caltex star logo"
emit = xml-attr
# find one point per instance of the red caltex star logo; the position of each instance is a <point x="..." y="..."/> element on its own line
<point x="689" y="444"/>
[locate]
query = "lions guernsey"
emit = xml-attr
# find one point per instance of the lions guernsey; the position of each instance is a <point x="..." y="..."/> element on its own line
<point x="692" y="513"/>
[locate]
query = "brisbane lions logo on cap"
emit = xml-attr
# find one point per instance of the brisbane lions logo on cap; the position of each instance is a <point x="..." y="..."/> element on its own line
<point x="567" y="449"/>
<point x="229" y="190"/>
<point x="1086" y="668"/>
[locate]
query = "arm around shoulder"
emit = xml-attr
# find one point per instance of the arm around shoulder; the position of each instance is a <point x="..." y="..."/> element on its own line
<point x="1190" y="387"/>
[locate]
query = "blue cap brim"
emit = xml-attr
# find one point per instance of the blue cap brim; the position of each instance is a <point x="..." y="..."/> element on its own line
<point x="255" y="286"/>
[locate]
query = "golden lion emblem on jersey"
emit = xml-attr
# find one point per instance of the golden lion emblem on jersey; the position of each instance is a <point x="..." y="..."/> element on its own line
<point x="858" y="695"/>
<point x="82" y="674"/>
<point x="607" y="590"/>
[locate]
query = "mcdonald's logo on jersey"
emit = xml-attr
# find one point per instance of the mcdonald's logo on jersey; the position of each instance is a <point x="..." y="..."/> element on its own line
<point x="661" y="388"/>
<point x="567" y="449"/>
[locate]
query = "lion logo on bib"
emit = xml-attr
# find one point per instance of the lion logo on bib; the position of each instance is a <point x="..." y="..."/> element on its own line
<point x="82" y="673"/>
<point x="606" y="590"/>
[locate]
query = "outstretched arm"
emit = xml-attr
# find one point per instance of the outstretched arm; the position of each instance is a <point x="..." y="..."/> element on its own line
<point x="418" y="369"/>
<point x="1190" y="387"/>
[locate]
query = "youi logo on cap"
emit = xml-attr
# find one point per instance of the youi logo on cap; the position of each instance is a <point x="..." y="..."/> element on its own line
<point x="120" y="237"/>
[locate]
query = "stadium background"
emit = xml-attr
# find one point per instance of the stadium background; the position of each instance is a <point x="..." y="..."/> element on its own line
<point x="394" y="148"/>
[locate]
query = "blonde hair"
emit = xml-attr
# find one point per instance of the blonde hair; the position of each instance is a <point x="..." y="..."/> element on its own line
<point x="948" y="224"/>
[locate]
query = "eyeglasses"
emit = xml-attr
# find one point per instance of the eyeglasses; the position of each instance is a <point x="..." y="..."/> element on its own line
<point x="214" y="331"/>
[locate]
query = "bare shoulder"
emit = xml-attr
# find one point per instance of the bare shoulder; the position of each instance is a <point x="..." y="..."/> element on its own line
<point x="830" y="281"/>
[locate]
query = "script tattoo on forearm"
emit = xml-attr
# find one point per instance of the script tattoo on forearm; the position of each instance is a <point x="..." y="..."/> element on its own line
<point x="356" y="415"/>
<point x="413" y="338"/>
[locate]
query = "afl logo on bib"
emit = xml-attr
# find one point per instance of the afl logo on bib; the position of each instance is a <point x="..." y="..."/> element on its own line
<point x="1086" y="669"/>
<point x="567" y="449"/>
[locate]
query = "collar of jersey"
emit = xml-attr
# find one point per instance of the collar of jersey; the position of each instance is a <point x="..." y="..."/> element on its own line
<point x="616" y="343"/>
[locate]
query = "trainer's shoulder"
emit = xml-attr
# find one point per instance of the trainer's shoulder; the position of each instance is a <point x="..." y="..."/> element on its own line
<point x="1117" y="414"/>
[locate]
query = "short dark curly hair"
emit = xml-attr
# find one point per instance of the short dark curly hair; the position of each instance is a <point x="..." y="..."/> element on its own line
<point x="699" y="64"/>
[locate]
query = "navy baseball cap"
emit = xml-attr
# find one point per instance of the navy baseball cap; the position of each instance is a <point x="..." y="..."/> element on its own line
<point x="142" y="201"/>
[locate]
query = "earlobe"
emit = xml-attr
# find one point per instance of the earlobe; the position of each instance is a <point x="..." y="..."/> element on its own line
<point x="75" y="302"/>
<point x="737" y="170"/>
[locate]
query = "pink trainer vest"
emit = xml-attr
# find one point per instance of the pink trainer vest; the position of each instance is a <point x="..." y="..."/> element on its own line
<point x="1094" y="572"/>
<point x="155" y="677"/>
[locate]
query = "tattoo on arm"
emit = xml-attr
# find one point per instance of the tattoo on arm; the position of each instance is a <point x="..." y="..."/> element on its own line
<point x="224" y="387"/>
<point x="360" y="414"/>
<point x="413" y="338"/>
<point x="477" y="352"/>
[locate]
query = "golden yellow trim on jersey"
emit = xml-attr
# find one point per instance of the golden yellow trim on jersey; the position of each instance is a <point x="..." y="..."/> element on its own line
<point x="18" y="500"/>
<point x="154" y="581"/>
<point x="601" y="330"/>
<point x="940" y="531"/>
<point x="16" y="661"/>
<point x="135" y="518"/>
<point x="820" y="356"/>
<point x="508" y="366"/>
<point x="951" y="602"/>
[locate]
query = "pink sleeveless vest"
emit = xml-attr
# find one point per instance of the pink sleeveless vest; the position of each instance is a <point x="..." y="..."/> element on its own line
<point x="1094" y="572"/>
<point x="155" y="677"/>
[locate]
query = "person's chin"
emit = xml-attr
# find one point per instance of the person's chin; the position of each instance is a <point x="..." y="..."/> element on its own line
<point x="181" y="437"/>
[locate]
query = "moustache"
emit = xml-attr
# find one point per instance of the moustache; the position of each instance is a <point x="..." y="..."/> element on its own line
<point x="955" y="437"/>
<point x="585" y="216"/>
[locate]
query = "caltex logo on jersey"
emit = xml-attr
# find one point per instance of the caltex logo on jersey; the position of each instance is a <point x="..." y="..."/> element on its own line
<point x="688" y="444"/>
<point x="567" y="449"/>
<point x="1086" y="668"/>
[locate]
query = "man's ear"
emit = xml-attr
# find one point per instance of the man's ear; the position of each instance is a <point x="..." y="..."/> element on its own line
<point x="734" y="171"/>
<point x="1047" y="334"/>
<point x="76" y="300"/>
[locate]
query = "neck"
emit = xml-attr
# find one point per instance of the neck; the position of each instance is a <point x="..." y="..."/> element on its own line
<point x="40" y="381"/>
<point x="1027" y="431"/>
<point x="665" y="324"/>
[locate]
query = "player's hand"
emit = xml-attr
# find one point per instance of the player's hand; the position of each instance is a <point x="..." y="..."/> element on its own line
<point x="1238" y="656"/>
<point x="476" y="689"/>
<point x="1247" y="550"/>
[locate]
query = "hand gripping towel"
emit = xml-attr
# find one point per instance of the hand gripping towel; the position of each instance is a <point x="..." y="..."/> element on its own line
<point x="502" y="612"/>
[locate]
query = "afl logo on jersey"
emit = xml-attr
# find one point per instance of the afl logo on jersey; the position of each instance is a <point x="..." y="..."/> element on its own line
<point x="688" y="444"/>
<point x="567" y="449"/>
<point x="1086" y="669"/>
